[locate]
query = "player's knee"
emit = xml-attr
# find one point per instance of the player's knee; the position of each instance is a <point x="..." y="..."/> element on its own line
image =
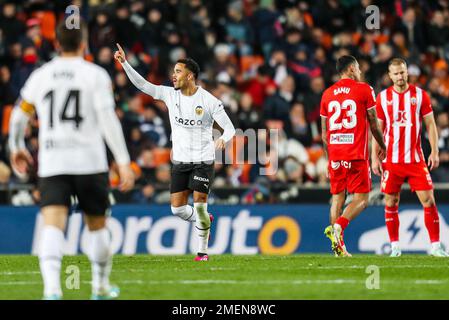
<point x="200" y="197"/>
<point x="392" y="201"/>
<point x="179" y="211"/>
<point x="95" y="223"/>
<point x="428" y="201"/>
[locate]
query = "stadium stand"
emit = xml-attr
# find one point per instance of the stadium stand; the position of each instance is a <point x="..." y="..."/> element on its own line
<point x="267" y="60"/>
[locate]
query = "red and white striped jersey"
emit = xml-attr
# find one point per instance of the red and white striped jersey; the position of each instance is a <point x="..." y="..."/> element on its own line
<point x="402" y="114"/>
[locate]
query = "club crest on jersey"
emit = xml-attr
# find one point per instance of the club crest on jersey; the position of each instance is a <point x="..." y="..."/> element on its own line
<point x="335" y="165"/>
<point x="413" y="100"/>
<point x="199" y="110"/>
<point x="345" y="164"/>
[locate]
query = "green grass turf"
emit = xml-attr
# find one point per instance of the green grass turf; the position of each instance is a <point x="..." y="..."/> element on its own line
<point x="242" y="277"/>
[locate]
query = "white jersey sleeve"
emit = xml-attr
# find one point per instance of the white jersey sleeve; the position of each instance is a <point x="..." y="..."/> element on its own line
<point x="109" y="124"/>
<point x="156" y="91"/>
<point x="19" y="118"/>
<point x="220" y="116"/>
<point x="29" y="90"/>
<point x="17" y="126"/>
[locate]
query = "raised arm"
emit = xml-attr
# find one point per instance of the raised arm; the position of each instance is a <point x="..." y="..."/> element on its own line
<point x="136" y="79"/>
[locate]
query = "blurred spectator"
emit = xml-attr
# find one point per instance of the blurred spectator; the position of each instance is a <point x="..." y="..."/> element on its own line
<point x="226" y="92"/>
<point x="412" y="28"/>
<point x="12" y="28"/>
<point x="441" y="174"/>
<point x="312" y="99"/>
<point x="34" y="38"/>
<point x="152" y="126"/>
<point x="239" y="33"/>
<point x="380" y="65"/>
<point x="105" y="59"/>
<point x="266" y="26"/>
<point x="152" y="31"/>
<point x="413" y="74"/>
<point x="101" y="32"/>
<point x="278" y="62"/>
<point x="22" y="69"/>
<point x="6" y="92"/>
<point x="248" y="116"/>
<point x="278" y="105"/>
<point x="438" y="30"/>
<point x="261" y="86"/>
<point x="298" y="128"/>
<point x="126" y="31"/>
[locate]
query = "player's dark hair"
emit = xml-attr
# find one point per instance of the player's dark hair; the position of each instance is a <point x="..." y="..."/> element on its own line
<point x="344" y="62"/>
<point x="191" y="65"/>
<point x="70" y="39"/>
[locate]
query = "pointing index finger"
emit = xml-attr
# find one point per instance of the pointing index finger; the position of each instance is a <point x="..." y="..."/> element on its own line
<point x="119" y="47"/>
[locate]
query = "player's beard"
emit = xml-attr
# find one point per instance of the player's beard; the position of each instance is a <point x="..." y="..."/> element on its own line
<point x="401" y="83"/>
<point x="177" y="86"/>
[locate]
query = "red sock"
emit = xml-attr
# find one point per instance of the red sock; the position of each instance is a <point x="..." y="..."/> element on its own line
<point x="392" y="222"/>
<point x="432" y="222"/>
<point x="343" y="222"/>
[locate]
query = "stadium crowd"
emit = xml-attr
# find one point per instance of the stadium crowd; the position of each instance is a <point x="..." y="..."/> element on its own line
<point x="268" y="61"/>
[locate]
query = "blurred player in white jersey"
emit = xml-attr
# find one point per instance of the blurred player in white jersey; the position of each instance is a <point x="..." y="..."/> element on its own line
<point x="74" y="103"/>
<point x="192" y="111"/>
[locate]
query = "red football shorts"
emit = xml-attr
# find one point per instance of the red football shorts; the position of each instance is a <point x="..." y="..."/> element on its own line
<point x="353" y="176"/>
<point x="395" y="174"/>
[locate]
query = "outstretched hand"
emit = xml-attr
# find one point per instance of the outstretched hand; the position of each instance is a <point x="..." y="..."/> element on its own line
<point x="120" y="55"/>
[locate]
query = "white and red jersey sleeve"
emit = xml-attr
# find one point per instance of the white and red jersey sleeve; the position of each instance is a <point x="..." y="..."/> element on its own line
<point x="403" y="115"/>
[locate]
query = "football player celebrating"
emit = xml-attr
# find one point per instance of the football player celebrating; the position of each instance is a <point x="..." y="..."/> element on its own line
<point x="192" y="111"/>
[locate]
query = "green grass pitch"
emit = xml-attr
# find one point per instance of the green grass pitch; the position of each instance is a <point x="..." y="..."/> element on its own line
<point x="242" y="277"/>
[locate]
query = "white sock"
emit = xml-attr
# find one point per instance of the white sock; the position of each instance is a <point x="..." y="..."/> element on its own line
<point x="202" y="225"/>
<point x="395" y="245"/>
<point x="337" y="226"/>
<point x="100" y="258"/>
<point x="184" y="212"/>
<point x="50" y="256"/>
<point x="436" y="245"/>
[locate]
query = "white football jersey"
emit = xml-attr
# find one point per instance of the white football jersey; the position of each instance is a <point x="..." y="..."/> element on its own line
<point x="68" y="93"/>
<point x="191" y="120"/>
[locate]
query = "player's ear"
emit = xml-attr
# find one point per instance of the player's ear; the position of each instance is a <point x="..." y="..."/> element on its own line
<point x="83" y="47"/>
<point x="352" y="67"/>
<point x="57" y="46"/>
